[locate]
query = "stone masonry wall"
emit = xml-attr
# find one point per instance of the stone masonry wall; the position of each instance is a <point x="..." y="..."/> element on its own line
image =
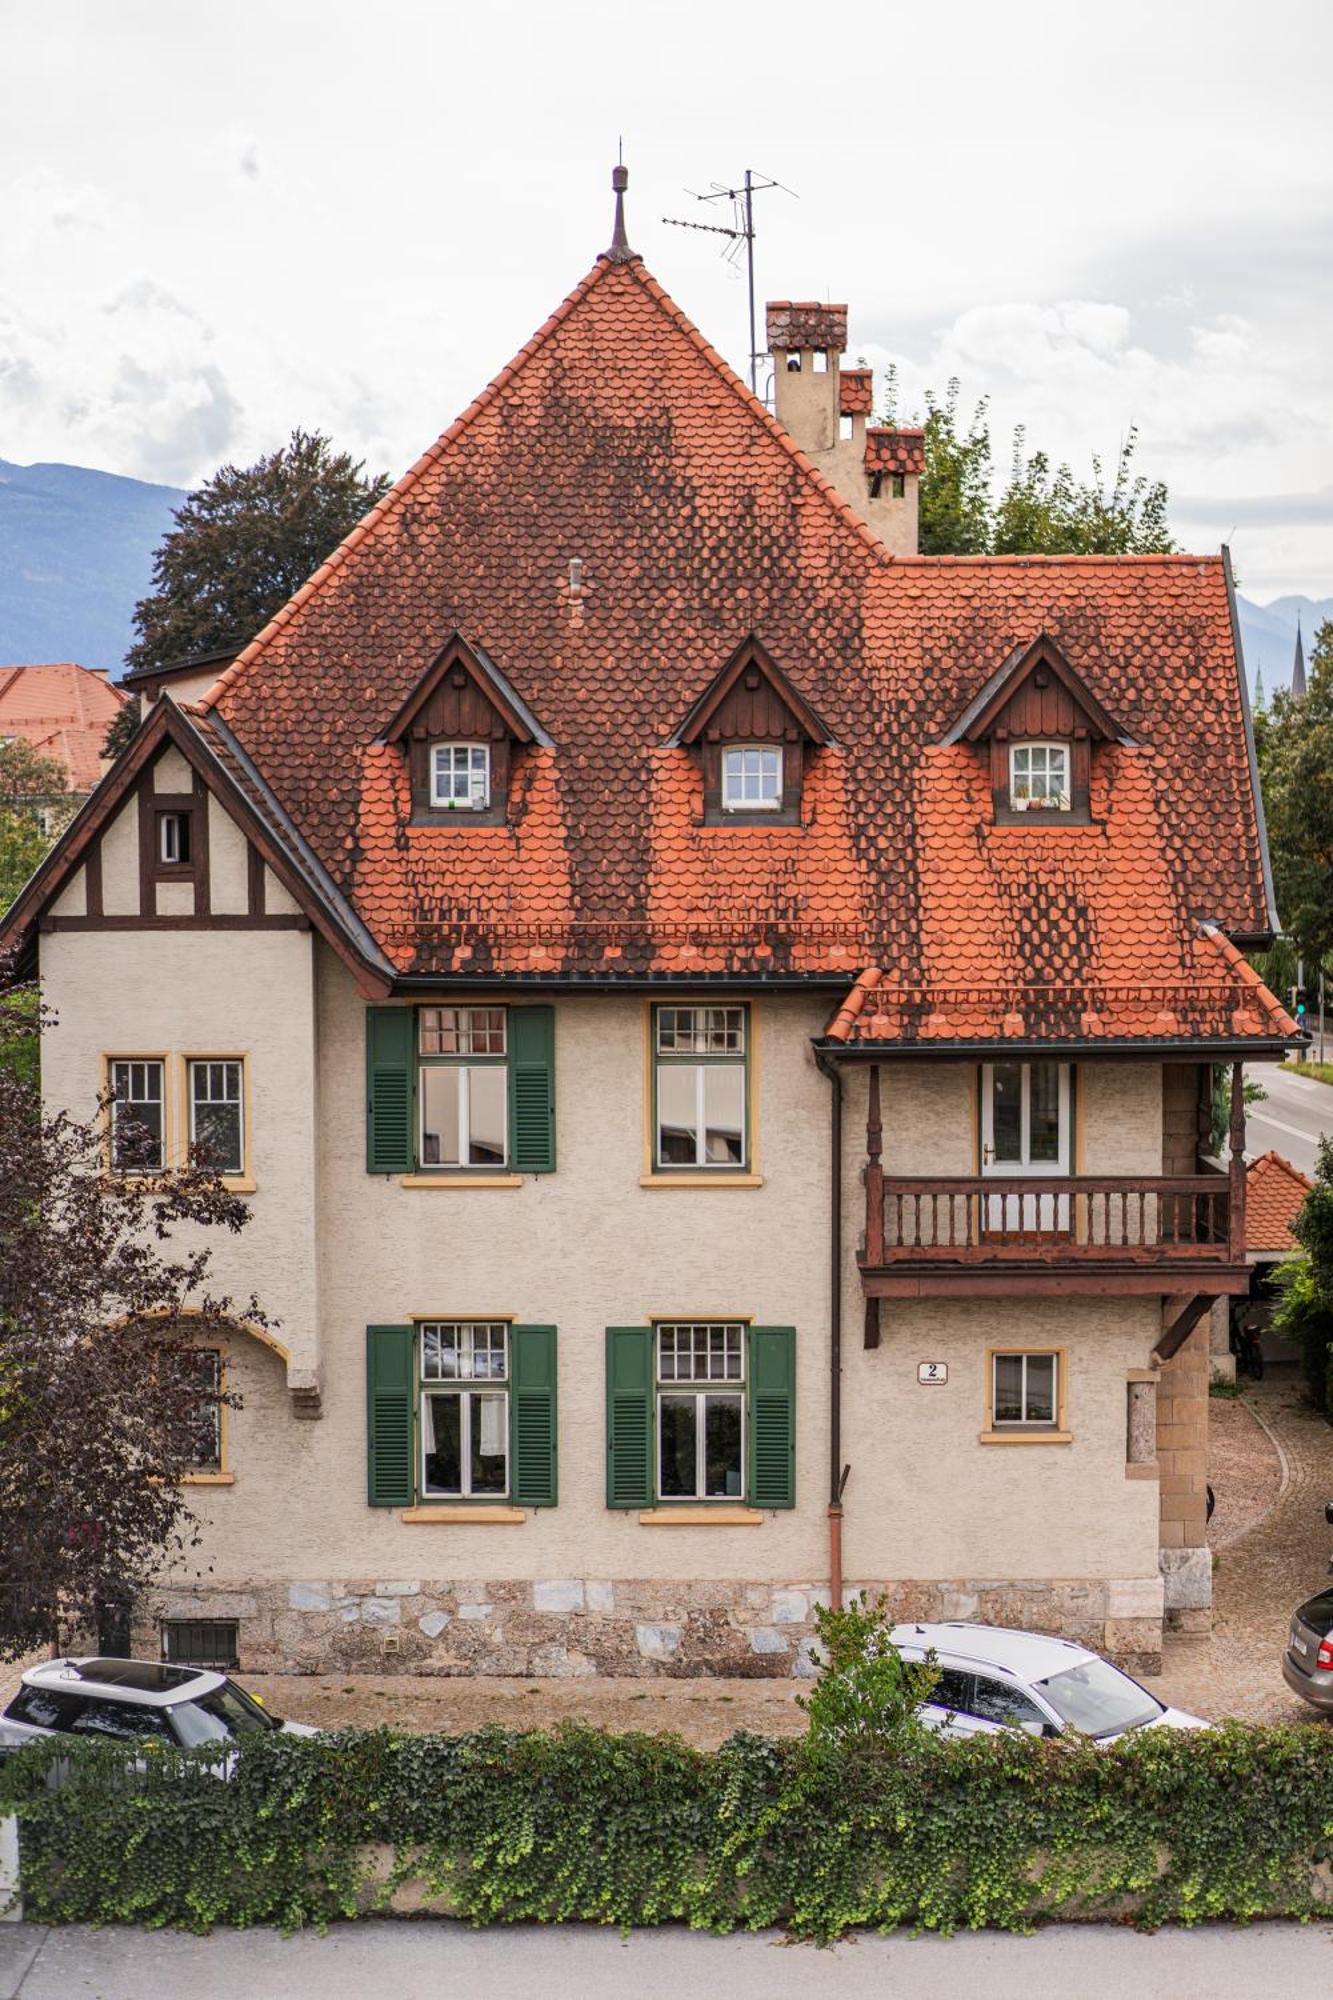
<point x="566" y="1628"/>
<point x="1182" y="1458"/>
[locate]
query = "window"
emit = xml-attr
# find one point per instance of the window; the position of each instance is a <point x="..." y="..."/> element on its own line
<point x="201" y="1642"/>
<point x="1039" y="777"/>
<point x="897" y="485"/>
<point x="752" y="779"/>
<point x="997" y="1701"/>
<point x="464" y="1086"/>
<point x="198" y="1370"/>
<point x="138" y="1130"/>
<point x="464" y="1409"/>
<point x="1025" y="1390"/>
<point x="217" y="1114"/>
<point x="700" y="1411"/>
<point x="1025" y="1117"/>
<point x="173" y="839"/>
<point x="699" y="1068"/>
<point x="460" y="776"/>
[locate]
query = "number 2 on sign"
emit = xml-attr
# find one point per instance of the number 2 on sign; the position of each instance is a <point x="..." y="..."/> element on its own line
<point x="932" y="1371"/>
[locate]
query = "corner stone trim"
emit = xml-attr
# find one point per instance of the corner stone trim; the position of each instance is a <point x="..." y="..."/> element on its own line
<point x="566" y="1628"/>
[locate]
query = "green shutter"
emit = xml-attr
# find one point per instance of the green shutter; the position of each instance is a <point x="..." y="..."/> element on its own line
<point x="390" y="1080"/>
<point x="532" y="1089"/>
<point x="532" y="1418"/>
<point x="629" y="1416"/>
<point x="389" y="1386"/>
<point x="772" y="1416"/>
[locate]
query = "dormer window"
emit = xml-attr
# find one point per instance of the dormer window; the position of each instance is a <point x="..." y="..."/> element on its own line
<point x="460" y="777"/>
<point x="1039" y="777"/>
<point x="752" y="778"/>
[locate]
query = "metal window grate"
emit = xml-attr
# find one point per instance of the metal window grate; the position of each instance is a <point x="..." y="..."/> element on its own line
<point x="201" y="1642"/>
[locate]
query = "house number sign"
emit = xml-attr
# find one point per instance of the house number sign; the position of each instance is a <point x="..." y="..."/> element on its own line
<point x="932" y="1371"/>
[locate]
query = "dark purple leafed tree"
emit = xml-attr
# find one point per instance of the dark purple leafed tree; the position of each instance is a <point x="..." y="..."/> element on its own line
<point x="100" y="1414"/>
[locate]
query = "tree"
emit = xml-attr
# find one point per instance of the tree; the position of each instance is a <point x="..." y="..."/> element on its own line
<point x="34" y="806"/>
<point x="955" y="501"/>
<point x="1295" y="749"/>
<point x="120" y="730"/>
<point x="99" y="1414"/>
<point x="244" y="543"/>
<point x="1305" y="1305"/>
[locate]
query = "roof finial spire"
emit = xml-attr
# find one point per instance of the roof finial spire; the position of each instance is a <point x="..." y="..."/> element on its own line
<point x="620" y="252"/>
<point x="1298" y="664"/>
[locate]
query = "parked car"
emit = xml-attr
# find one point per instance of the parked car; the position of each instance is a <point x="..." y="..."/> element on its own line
<point x="129" y="1700"/>
<point x="1307" y="1664"/>
<point x="993" y="1678"/>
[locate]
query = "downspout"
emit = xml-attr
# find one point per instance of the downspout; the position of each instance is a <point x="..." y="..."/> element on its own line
<point x="837" y="1470"/>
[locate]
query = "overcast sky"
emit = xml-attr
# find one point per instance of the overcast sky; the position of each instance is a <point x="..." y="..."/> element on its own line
<point x="223" y="220"/>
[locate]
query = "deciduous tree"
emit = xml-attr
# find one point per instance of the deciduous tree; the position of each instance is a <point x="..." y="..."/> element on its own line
<point x="1296" y="764"/>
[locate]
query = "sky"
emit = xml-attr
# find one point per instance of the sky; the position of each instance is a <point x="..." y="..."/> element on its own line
<point x="220" y="222"/>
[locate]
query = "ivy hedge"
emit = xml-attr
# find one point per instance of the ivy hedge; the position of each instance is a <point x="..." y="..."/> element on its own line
<point x="846" y="1827"/>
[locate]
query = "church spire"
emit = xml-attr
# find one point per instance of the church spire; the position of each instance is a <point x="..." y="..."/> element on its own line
<point x="1298" y="664"/>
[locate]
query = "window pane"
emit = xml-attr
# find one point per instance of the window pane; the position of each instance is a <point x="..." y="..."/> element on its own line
<point x="701" y="1031"/>
<point x="1041" y="1389"/>
<point x="215" y="1106"/>
<point x="460" y="775"/>
<point x="439" y="1115"/>
<point x="136" y="1116"/>
<point x="442" y="1424"/>
<point x="198" y="1370"/>
<point x="996" y="1702"/>
<point x="703" y="1352"/>
<point x="1045" y="1111"/>
<point x="722" y="1447"/>
<point x="490" y="1451"/>
<point x="488" y="1115"/>
<point x="751" y="779"/>
<point x="1008" y="1389"/>
<point x="724" y="1114"/>
<point x="677" y="1114"/>
<point x="677" y="1473"/>
<point x="1007" y="1111"/>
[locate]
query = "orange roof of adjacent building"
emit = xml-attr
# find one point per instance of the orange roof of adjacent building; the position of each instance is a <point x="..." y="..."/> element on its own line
<point x="1274" y="1194"/>
<point x="63" y="710"/>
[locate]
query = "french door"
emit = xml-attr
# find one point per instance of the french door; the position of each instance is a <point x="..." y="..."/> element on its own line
<point x="1025" y="1135"/>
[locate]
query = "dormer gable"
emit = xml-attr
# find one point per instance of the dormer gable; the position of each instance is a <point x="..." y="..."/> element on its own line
<point x="753" y="732"/>
<point x="458" y="728"/>
<point x="1039" y="720"/>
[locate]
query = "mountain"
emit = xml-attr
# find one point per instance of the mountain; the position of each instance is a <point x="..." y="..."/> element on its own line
<point x="1268" y="635"/>
<point x="76" y="555"/>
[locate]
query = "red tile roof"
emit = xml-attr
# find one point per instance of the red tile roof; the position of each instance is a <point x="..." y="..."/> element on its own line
<point x="803" y="323"/>
<point x="856" y="392"/>
<point x="1274" y="1194"/>
<point x="618" y="437"/>
<point x="895" y="451"/>
<point x="64" y="711"/>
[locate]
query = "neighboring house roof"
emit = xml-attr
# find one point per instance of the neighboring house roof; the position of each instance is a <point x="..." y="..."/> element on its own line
<point x="63" y="710"/>
<point x="897" y="450"/>
<point x="1275" y="1191"/>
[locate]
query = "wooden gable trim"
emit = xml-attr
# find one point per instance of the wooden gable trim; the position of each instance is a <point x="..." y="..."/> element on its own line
<point x="806" y="720"/>
<point x="985" y="714"/>
<point x="456" y="655"/>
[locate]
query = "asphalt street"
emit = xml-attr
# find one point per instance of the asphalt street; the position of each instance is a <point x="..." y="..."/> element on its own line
<point x="1290" y="1121"/>
<point x="431" y="1960"/>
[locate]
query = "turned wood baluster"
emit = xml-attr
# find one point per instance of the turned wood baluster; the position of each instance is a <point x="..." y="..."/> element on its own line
<point x="874" y="1176"/>
<point x="1236" y="1170"/>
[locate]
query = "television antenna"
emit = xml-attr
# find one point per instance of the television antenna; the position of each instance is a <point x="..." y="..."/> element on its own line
<point x="739" y="231"/>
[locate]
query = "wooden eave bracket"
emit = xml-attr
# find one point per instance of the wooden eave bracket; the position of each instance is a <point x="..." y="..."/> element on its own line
<point x="1181" y="1313"/>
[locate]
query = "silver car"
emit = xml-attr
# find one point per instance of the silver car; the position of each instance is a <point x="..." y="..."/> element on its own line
<point x="1307" y="1664"/>
<point x="130" y="1700"/>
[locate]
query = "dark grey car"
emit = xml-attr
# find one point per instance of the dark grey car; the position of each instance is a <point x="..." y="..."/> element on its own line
<point x="1307" y="1664"/>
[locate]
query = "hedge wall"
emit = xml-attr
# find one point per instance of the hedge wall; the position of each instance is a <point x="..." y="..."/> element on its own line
<point x="582" y="1825"/>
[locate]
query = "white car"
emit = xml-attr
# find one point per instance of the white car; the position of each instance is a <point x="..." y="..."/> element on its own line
<point x="128" y="1700"/>
<point x="993" y="1678"/>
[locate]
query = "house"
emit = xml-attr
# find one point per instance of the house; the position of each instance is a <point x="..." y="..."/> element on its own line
<point x="64" y="711"/>
<point x="714" y="1016"/>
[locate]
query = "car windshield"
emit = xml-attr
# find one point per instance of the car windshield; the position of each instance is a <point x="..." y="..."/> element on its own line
<point x="1098" y="1699"/>
<point x="228" y="1711"/>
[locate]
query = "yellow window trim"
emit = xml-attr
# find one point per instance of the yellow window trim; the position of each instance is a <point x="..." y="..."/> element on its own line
<point x="706" y="1515"/>
<point x="1059" y="1433"/>
<point x="462" y="1319"/>
<point x="146" y="1180"/>
<point x="244" y="1182"/>
<point x="209" y="1479"/>
<point x="653" y="1175"/>
<point x="476" y="1515"/>
<point x="1025" y="1437"/>
<point x="447" y="1178"/>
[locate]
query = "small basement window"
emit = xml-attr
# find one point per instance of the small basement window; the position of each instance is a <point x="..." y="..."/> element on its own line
<point x="1039" y="777"/>
<point x="460" y="776"/>
<point x="201" y="1642"/>
<point x="173" y="839"/>
<point x="752" y="778"/>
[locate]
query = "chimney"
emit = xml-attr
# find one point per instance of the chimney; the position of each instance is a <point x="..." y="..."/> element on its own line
<point x="827" y="408"/>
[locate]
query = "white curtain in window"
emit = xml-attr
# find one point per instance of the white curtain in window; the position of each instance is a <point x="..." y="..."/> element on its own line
<point x="492" y="1426"/>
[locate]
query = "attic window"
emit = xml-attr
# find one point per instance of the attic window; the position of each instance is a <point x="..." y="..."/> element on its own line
<point x="752" y="778"/>
<point x="460" y="776"/>
<point x="1039" y="777"/>
<point x="173" y="839"/>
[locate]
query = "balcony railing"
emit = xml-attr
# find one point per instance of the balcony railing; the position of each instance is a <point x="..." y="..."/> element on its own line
<point x="1081" y="1219"/>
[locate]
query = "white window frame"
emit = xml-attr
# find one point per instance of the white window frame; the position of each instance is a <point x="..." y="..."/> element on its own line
<point x="124" y="1106"/>
<point x="728" y="1388"/>
<point x="1025" y="1422"/>
<point x="1025" y="1165"/>
<point x="1063" y="800"/>
<point x="450" y="803"/>
<point x="700" y="1062"/>
<point x="743" y="750"/>
<point x="465" y="1062"/>
<point x="465" y="1388"/>
<point x="170" y="826"/>
<point x="237" y="1063"/>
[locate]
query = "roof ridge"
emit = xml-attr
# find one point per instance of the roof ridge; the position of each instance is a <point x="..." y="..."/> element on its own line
<point x="1035" y="558"/>
<point x="402" y="486"/>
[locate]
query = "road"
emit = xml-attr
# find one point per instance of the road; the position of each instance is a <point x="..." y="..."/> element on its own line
<point x="1296" y="1111"/>
<point x="442" y="1961"/>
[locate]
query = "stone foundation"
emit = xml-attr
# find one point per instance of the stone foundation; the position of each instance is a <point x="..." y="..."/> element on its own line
<point x="563" y="1628"/>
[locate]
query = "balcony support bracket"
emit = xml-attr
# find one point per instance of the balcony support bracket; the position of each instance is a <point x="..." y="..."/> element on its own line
<point x="872" y="1322"/>
<point x="1181" y="1313"/>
